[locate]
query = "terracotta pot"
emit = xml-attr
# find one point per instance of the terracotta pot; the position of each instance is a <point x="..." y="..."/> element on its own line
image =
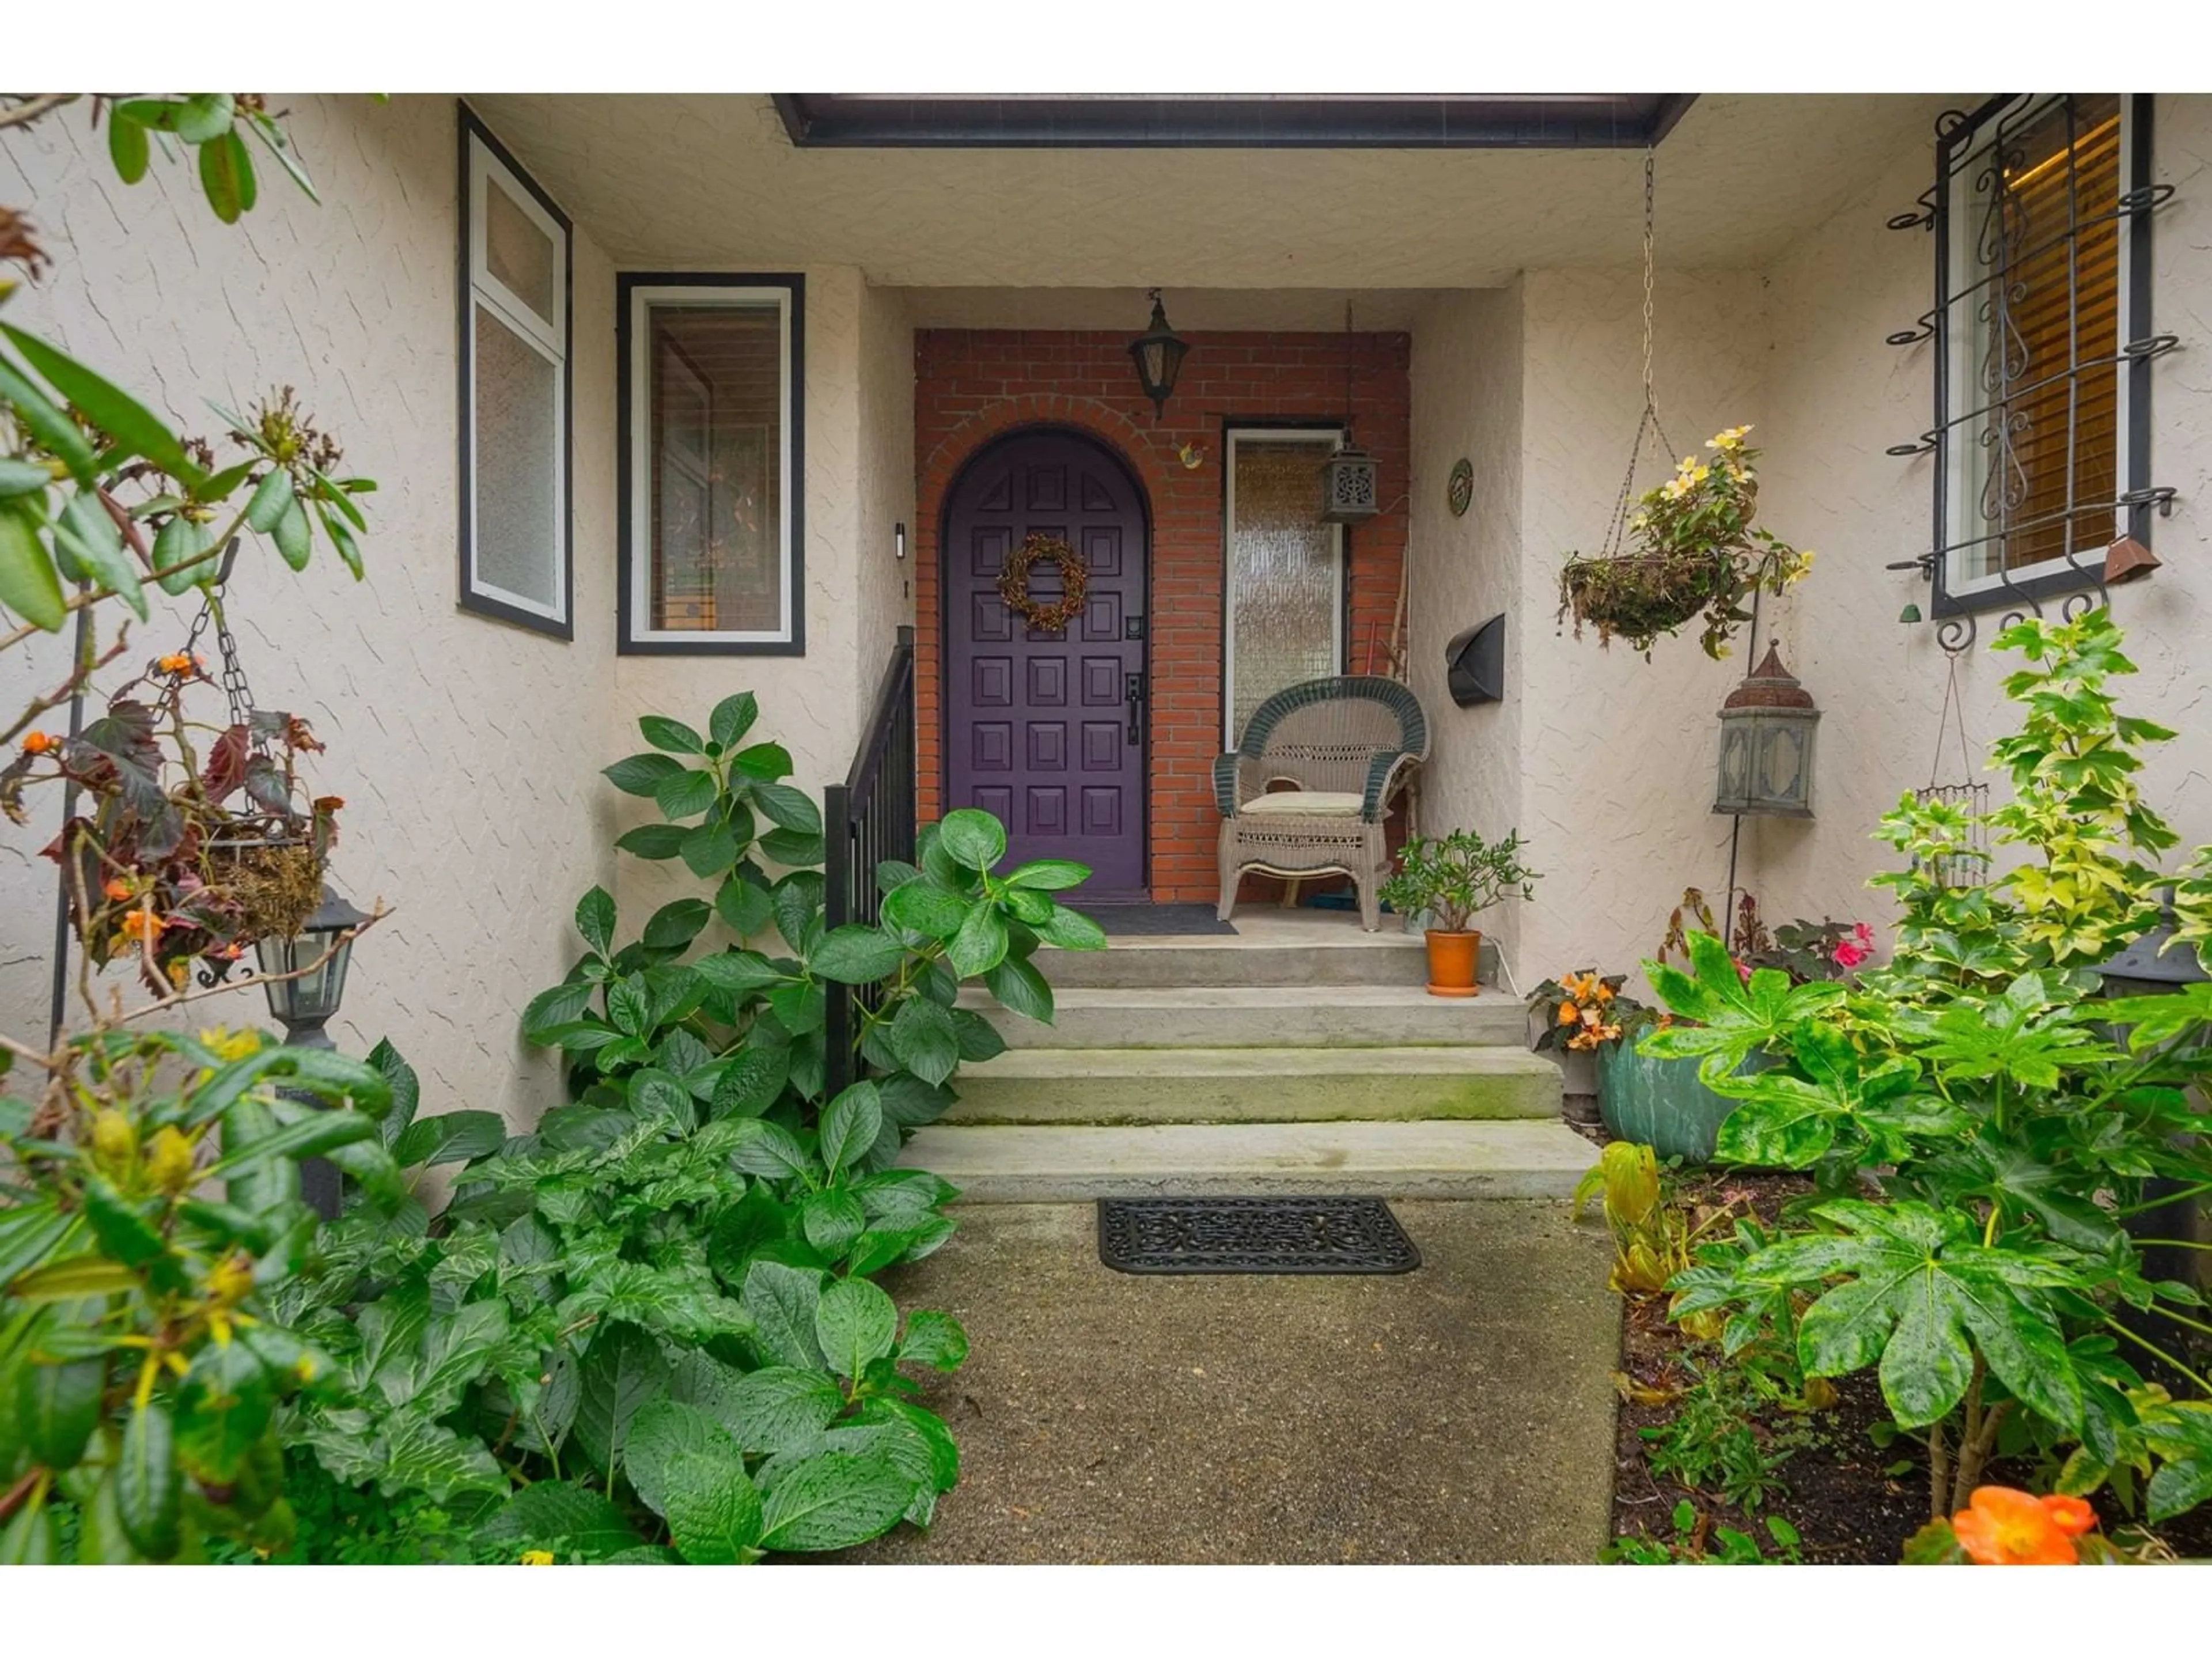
<point x="1453" y="958"/>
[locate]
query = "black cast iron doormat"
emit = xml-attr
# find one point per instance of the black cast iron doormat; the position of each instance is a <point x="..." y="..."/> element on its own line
<point x="1253" y="1236"/>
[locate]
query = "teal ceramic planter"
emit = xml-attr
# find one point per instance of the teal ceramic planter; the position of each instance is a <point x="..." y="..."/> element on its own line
<point x="1660" y="1102"/>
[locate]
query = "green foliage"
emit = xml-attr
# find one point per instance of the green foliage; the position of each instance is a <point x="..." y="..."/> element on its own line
<point x="1696" y="1542"/>
<point x="648" y="1326"/>
<point x="1453" y="878"/>
<point x="149" y="1218"/>
<point x="1980" y="1122"/>
<point x="1733" y="1429"/>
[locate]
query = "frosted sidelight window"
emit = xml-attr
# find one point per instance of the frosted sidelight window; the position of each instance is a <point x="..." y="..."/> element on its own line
<point x="1286" y="569"/>
<point x="514" y="534"/>
<point x="710" y="545"/>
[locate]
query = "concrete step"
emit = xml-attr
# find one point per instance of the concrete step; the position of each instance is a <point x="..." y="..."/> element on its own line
<point x="1034" y="1165"/>
<point x="1254" y="1085"/>
<point x="1384" y="958"/>
<point x="1258" y="1016"/>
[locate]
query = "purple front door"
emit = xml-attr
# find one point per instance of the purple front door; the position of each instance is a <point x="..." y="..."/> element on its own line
<point x="1046" y="729"/>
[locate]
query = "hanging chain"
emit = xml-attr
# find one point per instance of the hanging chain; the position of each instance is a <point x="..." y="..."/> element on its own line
<point x="235" y="691"/>
<point x="1347" y="371"/>
<point x="1647" y="425"/>
<point x="1651" y="194"/>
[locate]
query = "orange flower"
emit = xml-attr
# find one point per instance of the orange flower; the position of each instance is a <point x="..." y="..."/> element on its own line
<point x="1567" y="1014"/>
<point x="2005" y="1528"/>
<point x="39" y="743"/>
<point x="140" y="925"/>
<point x="2071" y="1515"/>
<point x="179" y="662"/>
<point x="1602" y="991"/>
<point x="118" y="890"/>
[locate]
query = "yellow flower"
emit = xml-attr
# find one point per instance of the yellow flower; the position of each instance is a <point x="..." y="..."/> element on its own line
<point x="1687" y="463"/>
<point x="1731" y="438"/>
<point x="230" y="1044"/>
<point x="1698" y="474"/>
<point x="537" y="1558"/>
<point x="169" y="1160"/>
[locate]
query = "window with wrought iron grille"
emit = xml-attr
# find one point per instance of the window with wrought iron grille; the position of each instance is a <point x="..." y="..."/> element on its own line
<point x="2041" y="212"/>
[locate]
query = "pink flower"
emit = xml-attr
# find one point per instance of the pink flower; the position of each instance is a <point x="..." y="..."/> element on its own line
<point x="1849" y="954"/>
<point x="1743" y="972"/>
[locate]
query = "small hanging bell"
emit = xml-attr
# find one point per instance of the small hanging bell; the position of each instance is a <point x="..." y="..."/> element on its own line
<point x="2128" y="560"/>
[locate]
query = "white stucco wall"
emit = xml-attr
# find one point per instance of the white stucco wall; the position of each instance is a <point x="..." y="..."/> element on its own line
<point x="1466" y="401"/>
<point x="1836" y="398"/>
<point x="1617" y="753"/>
<point x="467" y="751"/>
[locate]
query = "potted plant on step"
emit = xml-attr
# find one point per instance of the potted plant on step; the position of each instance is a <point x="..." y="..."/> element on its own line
<point x="1450" y="879"/>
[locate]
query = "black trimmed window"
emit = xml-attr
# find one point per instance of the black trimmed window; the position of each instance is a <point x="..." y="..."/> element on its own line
<point x="711" y="410"/>
<point x="2041" y="211"/>
<point x="517" y="540"/>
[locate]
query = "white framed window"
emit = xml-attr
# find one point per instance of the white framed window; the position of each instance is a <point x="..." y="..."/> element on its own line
<point x="1283" y="610"/>
<point x="713" y="554"/>
<point x="2042" y="215"/>
<point x="516" y="541"/>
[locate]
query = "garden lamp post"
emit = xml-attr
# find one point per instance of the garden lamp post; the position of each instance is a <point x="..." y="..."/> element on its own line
<point x="2155" y="965"/>
<point x="304" y="977"/>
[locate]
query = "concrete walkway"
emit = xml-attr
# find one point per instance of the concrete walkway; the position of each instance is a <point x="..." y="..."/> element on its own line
<point x="1463" y="1412"/>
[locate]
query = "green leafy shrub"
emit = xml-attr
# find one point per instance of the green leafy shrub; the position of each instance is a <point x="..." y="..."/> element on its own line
<point x="1982" y="1123"/>
<point x="651" y="1320"/>
<point x="1696" y="1542"/>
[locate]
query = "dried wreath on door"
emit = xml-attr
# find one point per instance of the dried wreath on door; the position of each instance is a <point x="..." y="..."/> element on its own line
<point x="1048" y="615"/>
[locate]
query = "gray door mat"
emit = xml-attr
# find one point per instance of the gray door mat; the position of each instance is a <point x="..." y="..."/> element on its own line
<point x="1253" y="1236"/>
<point x="1156" y="920"/>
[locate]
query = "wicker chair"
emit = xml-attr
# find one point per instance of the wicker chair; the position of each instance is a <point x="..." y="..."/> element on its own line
<point x="1343" y="745"/>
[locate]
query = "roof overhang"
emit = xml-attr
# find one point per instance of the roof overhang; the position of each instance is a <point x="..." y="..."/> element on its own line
<point x="1567" y="121"/>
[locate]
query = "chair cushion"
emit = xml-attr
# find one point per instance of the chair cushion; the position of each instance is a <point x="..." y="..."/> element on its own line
<point x="1303" y="803"/>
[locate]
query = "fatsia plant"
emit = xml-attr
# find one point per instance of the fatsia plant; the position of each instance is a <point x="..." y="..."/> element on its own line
<point x="1982" y="1123"/>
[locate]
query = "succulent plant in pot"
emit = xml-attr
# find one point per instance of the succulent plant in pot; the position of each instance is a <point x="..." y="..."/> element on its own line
<point x="1449" y="880"/>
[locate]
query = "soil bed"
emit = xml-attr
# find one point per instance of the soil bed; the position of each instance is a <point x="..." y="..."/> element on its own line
<point x="1853" y="1501"/>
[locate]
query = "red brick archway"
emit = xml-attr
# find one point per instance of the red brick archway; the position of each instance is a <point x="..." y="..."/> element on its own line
<point x="974" y="385"/>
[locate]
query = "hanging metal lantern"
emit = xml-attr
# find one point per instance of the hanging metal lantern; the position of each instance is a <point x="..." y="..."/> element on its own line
<point x="1347" y="487"/>
<point x="1349" y="493"/>
<point x="1767" y="726"/>
<point x="1159" y="355"/>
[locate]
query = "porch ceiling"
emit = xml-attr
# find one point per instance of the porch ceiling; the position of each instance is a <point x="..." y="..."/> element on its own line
<point x="708" y="180"/>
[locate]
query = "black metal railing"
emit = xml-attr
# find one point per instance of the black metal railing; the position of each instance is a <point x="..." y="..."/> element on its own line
<point x="866" y="820"/>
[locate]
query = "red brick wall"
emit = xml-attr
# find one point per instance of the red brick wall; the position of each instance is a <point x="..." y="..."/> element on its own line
<point x="971" y="386"/>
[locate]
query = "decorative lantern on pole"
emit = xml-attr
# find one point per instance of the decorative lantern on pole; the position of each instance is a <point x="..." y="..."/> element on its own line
<point x="1767" y="727"/>
<point x="304" y="977"/>
<point x="1158" y="353"/>
<point x="1349" y="492"/>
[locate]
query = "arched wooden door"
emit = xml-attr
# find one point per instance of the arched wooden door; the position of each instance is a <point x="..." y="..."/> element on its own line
<point x="1047" y="730"/>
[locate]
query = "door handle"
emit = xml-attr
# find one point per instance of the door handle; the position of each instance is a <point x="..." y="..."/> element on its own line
<point x="1134" y="690"/>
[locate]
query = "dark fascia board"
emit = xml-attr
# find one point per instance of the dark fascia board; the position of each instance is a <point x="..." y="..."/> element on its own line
<point x="1473" y="121"/>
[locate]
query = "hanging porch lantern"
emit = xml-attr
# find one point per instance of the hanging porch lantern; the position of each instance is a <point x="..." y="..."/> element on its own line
<point x="1767" y="726"/>
<point x="1159" y="355"/>
<point x="1348" y="490"/>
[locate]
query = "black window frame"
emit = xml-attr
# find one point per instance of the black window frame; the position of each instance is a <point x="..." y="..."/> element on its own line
<point x="1958" y="137"/>
<point x="627" y="552"/>
<point x="469" y="125"/>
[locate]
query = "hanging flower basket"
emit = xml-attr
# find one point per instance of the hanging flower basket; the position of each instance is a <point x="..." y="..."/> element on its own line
<point x="1694" y="553"/>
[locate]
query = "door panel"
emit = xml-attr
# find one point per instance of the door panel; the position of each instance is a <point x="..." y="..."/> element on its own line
<point x="1039" y="727"/>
